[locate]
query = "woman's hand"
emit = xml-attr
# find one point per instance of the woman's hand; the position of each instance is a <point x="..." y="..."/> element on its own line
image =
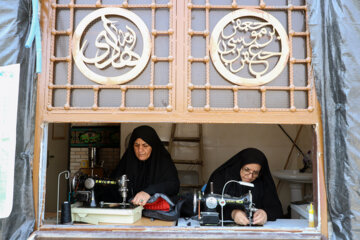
<point x="260" y="217"/>
<point x="239" y="217"/>
<point x="141" y="198"/>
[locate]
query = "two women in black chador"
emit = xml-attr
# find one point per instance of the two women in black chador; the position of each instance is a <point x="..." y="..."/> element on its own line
<point x="150" y="169"/>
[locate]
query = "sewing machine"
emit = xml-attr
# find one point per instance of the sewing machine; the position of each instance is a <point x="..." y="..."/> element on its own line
<point x="84" y="189"/>
<point x="89" y="207"/>
<point x="206" y="205"/>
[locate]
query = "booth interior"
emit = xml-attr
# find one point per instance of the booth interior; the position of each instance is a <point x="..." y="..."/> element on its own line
<point x="76" y="151"/>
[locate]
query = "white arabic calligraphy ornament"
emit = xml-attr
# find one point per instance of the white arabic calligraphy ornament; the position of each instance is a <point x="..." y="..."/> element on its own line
<point x="242" y="47"/>
<point x="114" y="47"/>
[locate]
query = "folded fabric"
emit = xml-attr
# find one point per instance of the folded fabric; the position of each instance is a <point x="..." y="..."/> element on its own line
<point x="159" y="204"/>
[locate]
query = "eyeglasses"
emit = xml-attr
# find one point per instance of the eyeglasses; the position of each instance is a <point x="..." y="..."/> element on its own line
<point x="247" y="171"/>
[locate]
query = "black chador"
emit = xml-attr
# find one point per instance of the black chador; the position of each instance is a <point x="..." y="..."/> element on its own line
<point x="264" y="192"/>
<point x="157" y="174"/>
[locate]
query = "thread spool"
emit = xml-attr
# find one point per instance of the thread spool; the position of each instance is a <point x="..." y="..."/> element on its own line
<point x="311" y="216"/>
<point x="66" y="213"/>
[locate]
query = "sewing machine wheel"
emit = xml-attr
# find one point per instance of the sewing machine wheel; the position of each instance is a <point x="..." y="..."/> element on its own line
<point x="195" y="203"/>
<point x="89" y="183"/>
<point x="74" y="183"/>
<point x="211" y="203"/>
<point x="77" y="181"/>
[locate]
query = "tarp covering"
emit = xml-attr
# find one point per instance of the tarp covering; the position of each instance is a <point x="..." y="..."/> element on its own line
<point x="14" y="27"/>
<point x="335" y="39"/>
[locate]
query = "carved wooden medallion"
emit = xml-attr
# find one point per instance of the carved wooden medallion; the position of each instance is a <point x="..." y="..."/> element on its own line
<point x="115" y="46"/>
<point x="249" y="47"/>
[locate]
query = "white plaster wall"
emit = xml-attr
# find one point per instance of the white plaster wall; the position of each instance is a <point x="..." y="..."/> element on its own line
<point x="222" y="141"/>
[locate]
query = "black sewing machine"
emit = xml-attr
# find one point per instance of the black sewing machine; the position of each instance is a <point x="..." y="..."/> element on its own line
<point x="205" y="206"/>
<point x="91" y="190"/>
<point x="96" y="200"/>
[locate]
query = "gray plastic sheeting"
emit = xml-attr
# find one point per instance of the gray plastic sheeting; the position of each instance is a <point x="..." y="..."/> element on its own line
<point x="14" y="27"/>
<point x="335" y="39"/>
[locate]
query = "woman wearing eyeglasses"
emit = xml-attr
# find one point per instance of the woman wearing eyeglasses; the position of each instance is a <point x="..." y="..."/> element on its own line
<point x="250" y="165"/>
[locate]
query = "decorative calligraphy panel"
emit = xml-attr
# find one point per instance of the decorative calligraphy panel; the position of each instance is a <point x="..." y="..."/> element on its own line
<point x="183" y="63"/>
<point x="116" y="38"/>
<point x="258" y="51"/>
<point x="104" y="52"/>
<point x="249" y="48"/>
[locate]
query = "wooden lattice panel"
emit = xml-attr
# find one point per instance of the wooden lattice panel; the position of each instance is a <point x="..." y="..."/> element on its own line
<point x="213" y="88"/>
<point x="180" y="78"/>
<point x="81" y="86"/>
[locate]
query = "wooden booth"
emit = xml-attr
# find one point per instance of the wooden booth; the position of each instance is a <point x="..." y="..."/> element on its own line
<point x="230" y="73"/>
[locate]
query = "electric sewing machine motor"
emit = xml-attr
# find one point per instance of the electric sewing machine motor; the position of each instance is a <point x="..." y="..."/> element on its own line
<point x="209" y="203"/>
